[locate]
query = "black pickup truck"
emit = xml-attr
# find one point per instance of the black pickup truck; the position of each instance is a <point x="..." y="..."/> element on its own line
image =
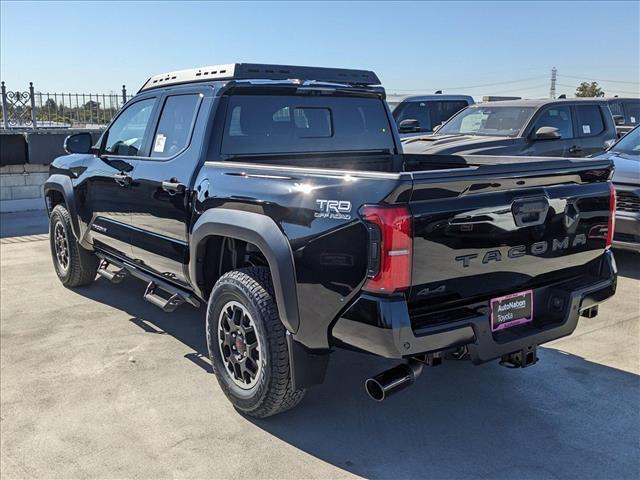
<point x="576" y="127"/>
<point x="280" y="197"/>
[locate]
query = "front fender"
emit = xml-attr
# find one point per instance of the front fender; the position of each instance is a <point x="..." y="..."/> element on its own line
<point x="62" y="184"/>
<point x="262" y="232"/>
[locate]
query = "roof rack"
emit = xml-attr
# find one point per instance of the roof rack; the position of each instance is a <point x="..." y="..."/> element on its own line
<point x="255" y="71"/>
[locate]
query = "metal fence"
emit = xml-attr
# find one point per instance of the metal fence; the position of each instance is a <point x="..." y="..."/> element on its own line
<point x="31" y="109"/>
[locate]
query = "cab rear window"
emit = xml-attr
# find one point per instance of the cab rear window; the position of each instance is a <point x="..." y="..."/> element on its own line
<point x="271" y="124"/>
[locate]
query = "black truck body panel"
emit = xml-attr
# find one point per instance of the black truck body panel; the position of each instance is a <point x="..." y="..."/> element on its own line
<point x="177" y="217"/>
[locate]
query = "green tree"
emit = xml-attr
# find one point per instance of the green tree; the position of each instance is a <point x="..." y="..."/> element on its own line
<point x="586" y="89"/>
<point x="50" y="105"/>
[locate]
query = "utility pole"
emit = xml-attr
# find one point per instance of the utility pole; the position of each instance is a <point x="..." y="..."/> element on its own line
<point x="552" y="91"/>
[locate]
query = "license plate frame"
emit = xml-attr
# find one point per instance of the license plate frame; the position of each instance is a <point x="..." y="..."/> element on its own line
<point x="511" y="308"/>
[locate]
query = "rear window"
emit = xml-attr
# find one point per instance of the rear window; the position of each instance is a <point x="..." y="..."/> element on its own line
<point x="265" y="124"/>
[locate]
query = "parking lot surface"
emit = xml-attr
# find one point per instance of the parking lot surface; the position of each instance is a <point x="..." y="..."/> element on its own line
<point x="96" y="383"/>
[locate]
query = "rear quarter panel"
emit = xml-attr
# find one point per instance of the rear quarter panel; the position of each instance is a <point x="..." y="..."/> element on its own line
<point x="329" y="247"/>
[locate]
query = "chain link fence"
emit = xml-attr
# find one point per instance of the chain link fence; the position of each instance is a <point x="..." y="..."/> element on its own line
<point x="31" y="109"/>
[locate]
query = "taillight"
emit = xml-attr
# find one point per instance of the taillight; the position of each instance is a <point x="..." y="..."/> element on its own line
<point x="390" y="245"/>
<point x="611" y="225"/>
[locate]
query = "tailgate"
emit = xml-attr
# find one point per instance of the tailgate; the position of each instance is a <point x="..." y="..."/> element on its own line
<point x="491" y="230"/>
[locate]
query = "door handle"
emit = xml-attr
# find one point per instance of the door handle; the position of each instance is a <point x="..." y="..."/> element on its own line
<point x="122" y="179"/>
<point x="173" y="187"/>
<point x="575" y="149"/>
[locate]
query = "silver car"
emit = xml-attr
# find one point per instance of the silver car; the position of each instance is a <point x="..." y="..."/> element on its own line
<point x="625" y="154"/>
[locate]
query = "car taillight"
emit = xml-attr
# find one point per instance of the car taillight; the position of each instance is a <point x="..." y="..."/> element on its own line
<point x="611" y="225"/>
<point x="390" y="245"/>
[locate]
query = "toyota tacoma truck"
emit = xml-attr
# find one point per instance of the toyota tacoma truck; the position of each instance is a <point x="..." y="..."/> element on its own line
<point x="279" y="198"/>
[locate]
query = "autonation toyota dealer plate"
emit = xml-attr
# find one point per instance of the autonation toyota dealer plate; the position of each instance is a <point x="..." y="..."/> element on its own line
<point x="510" y="310"/>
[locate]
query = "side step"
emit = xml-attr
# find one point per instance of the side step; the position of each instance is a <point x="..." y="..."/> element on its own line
<point x="177" y="296"/>
<point x="113" y="277"/>
<point x="166" y="304"/>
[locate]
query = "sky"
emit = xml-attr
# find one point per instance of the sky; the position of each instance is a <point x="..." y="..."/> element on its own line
<point x="476" y="48"/>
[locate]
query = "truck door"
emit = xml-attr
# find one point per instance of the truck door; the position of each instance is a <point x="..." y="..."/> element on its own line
<point x="556" y="116"/>
<point x="161" y="182"/>
<point x="107" y="192"/>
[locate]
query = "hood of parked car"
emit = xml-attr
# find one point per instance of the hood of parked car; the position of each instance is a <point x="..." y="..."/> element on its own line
<point x="463" y="144"/>
<point x="627" y="167"/>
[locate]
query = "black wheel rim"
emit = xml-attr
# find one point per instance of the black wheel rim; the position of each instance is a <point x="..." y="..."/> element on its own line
<point x="240" y="345"/>
<point x="61" y="246"/>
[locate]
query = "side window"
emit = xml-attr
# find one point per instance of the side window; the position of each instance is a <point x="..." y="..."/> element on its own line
<point x="556" y="117"/>
<point x="616" y="108"/>
<point x="589" y="120"/>
<point x="126" y="134"/>
<point x="174" y="127"/>
<point x="444" y="110"/>
<point x="633" y="112"/>
<point x="415" y="111"/>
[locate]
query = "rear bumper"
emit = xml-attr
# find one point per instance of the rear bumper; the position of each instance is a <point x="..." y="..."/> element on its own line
<point x="383" y="326"/>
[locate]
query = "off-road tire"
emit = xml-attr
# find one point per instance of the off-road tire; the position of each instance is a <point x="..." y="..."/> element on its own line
<point x="253" y="289"/>
<point x="82" y="264"/>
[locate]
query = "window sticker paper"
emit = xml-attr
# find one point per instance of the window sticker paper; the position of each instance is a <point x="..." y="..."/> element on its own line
<point x="158" y="146"/>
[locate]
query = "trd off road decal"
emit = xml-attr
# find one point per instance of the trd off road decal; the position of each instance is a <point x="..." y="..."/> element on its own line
<point x="334" y="209"/>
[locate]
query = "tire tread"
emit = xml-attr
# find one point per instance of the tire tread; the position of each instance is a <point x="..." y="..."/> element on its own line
<point x="280" y="396"/>
<point x="83" y="264"/>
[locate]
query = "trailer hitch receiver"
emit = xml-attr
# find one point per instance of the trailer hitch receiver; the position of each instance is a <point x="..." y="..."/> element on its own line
<point x="520" y="359"/>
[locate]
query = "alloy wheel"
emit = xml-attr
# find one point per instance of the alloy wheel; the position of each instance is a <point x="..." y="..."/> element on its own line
<point x="61" y="246"/>
<point x="240" y="345"/>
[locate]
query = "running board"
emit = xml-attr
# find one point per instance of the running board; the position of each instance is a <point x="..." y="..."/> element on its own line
<point x="177" y="296"/>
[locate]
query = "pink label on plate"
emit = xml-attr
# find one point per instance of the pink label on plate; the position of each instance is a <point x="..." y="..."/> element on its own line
<point x="510" y="310"/>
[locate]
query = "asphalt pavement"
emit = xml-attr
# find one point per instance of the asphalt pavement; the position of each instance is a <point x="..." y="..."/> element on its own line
<point x="97" y="383"/>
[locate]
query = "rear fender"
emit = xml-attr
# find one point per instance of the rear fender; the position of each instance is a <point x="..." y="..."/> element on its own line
<point x="262" y="232"/>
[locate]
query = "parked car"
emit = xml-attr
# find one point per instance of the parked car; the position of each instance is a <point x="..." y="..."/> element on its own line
<point x="625" y="154"/>
<point x="421" y="114"/>
<point x="563" y="128"/>
<point x="626" y="113"/>
<point x="287" y="207"/>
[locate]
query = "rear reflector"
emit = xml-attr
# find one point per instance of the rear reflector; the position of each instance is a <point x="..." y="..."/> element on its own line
<point x="390" y="245"/>
<point x="612" y="215"/>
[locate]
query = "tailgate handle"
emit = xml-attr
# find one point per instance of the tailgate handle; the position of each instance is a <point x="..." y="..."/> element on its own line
<point x="529" y="212"/>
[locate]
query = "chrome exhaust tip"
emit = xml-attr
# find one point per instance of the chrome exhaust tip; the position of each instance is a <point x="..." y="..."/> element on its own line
<point x="393" y="380"/>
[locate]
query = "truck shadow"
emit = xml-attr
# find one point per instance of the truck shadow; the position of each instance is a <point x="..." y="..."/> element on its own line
<point x="628" y="263"/>
<point x="186" y="324"/>
<point x="564" y="417"/>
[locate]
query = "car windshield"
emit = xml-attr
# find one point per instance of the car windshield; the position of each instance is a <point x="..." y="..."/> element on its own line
<point x="488" y="120"/>
<point x="629" y="144"/>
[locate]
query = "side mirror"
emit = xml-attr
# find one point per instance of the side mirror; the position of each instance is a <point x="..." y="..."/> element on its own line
<point x="609" y="143"/>
<point x="618" y="119"/>
<point x="547" y="133"/>
<point x="409" y="125"/>
<point x="78" y="143"/>
<point x="438" y="127"/>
